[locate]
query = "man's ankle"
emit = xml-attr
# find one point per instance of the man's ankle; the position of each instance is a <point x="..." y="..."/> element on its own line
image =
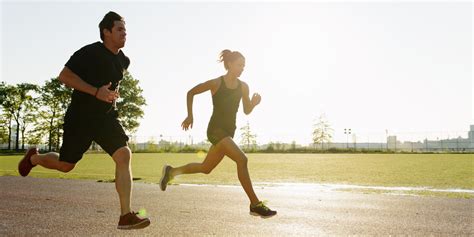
<point x="123" y="213"/>
<point x="33" y="159"/>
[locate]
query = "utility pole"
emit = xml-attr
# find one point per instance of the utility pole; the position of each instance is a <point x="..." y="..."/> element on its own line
<point x="457" y="144"/>
<point x="354" y="140"/>
<point x="347" y="131"/>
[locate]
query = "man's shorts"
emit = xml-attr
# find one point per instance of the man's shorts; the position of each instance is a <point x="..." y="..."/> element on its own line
<point x="79" y="134"/>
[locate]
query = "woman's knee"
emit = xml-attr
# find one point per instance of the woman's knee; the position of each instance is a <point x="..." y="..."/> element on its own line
<point x="233" y="151"/>
<point x="241" y="160"/>
<point x="206" y="169"/>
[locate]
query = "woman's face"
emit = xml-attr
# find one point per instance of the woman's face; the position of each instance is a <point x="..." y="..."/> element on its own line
<point x="236" y="67"/>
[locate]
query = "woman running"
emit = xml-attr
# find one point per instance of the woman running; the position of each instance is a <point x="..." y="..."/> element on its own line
<point x="227" y="91"/>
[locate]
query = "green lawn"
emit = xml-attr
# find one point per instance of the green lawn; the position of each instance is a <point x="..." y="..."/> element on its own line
<point x="411" y="170"/>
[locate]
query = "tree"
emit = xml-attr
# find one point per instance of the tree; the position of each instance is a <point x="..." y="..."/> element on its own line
<point x="270" y="147"/>
<point x="25" y="102"/>
<point x="29" y="117"/>
<point x="151" y="145"/>
<point x="130" y="103"/>
<point x="54" y="100"/>
<point x="248" y="139"/>
<point x="322" y="131"/>
<point x="279" y="146"/>
<point x="8" y="124"/>
<point x="7" y="107"/>
<point x="3" y="129"/>
<point x="14" y="101"/>
<point x="3" y="92"/>
<point x="293" y="146"/>
<point x="4" y="121"/>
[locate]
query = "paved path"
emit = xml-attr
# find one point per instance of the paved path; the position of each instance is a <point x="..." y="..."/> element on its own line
<point x="33" y="206"/>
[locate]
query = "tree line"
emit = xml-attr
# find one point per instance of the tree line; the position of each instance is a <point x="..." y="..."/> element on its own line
<point x="321" y="134"/>
<point x="33" y="114"/>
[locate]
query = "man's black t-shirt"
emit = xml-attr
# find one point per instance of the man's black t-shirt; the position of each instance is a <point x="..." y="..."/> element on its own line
<point x="97" y="66"/>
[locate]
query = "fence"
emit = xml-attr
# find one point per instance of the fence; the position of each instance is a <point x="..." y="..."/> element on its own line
<point x="432" y="142"/>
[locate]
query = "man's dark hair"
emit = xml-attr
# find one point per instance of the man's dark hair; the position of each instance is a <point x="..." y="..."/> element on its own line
<point x="108" y="22"/>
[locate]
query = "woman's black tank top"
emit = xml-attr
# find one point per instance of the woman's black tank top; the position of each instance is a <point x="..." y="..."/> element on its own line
<point x="225" y="106"/>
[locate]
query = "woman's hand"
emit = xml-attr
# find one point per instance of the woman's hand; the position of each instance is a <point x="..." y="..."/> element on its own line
<point x="187" y="123"/>
<point x="256" y="98"/>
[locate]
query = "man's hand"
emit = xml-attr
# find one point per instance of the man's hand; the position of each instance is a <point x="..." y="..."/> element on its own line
<point x="103" y="93"/>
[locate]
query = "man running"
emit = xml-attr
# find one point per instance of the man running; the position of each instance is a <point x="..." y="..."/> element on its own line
<point x="95" y="72"/>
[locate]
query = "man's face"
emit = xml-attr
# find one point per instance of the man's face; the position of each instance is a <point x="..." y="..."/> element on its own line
<point x="118" y="34"/>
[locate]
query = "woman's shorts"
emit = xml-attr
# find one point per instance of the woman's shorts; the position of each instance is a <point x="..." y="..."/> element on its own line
<point x="216" y="134"/>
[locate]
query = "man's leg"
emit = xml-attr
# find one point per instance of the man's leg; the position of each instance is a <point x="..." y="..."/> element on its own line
<point x="76" y="140"/>
<point x="51" y="161"/>
<point x="112" y="138"/>
<point x="123" y="184"/>
<point x="48" y="160"/>
<point x="123" y="178"/>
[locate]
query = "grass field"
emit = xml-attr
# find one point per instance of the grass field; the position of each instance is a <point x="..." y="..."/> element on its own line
<point x="408" y="170"/>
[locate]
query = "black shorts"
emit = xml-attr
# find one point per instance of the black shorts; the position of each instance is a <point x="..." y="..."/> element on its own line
<point x="79" y="134"/>
<point x="216" y="134"/>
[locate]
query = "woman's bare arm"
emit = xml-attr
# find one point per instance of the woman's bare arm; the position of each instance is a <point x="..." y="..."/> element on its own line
<point x="200" y="88"/>
<point x="249" y="104"/>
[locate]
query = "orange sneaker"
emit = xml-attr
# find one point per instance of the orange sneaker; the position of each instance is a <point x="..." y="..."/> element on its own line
<point x="131" y="221"/>
<point x="25" y="166"/>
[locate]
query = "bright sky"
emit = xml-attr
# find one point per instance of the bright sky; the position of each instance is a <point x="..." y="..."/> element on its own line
<point x="370" y="66"/>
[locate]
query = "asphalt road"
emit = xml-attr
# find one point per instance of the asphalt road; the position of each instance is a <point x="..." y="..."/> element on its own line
<point x="33" y="206"/>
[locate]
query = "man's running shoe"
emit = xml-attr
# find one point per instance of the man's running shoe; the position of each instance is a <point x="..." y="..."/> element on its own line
<point x="25" y="166"/>
<point x="132" y="221"/>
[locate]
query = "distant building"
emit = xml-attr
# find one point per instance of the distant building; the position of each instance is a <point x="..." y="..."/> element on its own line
<point x="471" y="134"/>
<point x="458" y="144"/>
<point x="392" y="143"/>
<point x="454" y="144"/>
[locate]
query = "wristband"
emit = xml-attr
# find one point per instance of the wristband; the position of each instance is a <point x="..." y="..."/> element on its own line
<point x="96" y="92"/>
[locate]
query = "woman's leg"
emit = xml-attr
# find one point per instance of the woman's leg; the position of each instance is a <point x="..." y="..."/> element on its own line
<point x="228" y="146"/>
<point x="213" y="158"/>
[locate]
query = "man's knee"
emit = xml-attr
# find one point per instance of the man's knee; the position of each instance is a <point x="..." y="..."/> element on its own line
<point x="122" y="156"/>
<point x="66" y="167"/>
